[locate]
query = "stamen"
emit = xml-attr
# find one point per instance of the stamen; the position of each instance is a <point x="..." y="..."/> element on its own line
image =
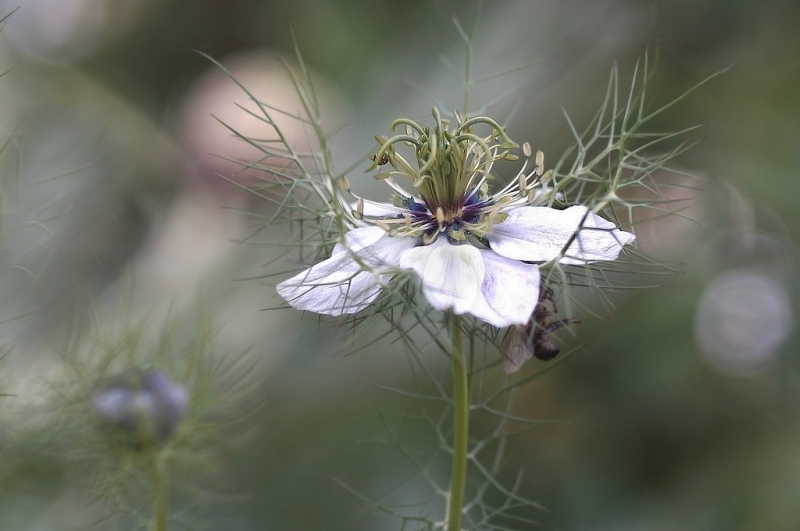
<point x="397" y="188"/>
<point x="539" y="163"/>
<point x="526" y="149"/>
<point x="440" y="216"/>
<point x="428" y="239"/>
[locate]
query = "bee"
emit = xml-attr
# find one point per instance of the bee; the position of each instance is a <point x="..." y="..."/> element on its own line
<point x="521" y="343"/>
<point x="383" y="160"/>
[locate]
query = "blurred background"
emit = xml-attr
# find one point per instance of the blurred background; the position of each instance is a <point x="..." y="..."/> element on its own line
<point x="683" y="411"/>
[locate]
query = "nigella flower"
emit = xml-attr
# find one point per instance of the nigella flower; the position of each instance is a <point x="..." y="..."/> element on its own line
<point x="474" y="252"/>
<point x="148" y="406"/>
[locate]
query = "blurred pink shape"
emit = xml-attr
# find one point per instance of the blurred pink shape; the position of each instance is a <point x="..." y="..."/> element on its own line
<point x="742" y="320"/>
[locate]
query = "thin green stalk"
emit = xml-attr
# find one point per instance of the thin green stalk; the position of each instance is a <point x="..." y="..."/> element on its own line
<point x="160" y="494"/>
<point x="458" y="479"/>
<point x="469" y="39"/>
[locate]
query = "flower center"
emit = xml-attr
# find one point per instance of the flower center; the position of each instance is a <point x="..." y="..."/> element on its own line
<point x="451" y="178"/>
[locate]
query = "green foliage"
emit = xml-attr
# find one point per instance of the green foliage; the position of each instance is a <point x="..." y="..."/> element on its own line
<point x="127" y="476"/>
<point x="617" y="167"/>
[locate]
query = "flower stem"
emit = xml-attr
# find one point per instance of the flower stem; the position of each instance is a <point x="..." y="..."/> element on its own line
<point x="160" y="494"/>
<point x="461" y="404"/>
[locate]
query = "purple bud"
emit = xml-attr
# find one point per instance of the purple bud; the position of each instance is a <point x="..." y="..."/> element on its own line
<point x="148" y="405"/>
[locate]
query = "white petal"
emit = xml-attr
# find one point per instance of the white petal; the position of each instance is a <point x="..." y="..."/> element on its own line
<point x="509" y="292"/>
<point x="543" y="194"/>
<point x="357" y="239"/>
<point x="384" y="255"/>
<point x="334" y="286"/>
<point x="538" y="234"/>
<point x="451" y="275"/>
<point x="372" y="208"/>
<point x="378" y="209"/>
<point x="339" y="285"/>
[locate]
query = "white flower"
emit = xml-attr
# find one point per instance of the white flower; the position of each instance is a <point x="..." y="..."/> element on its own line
<point x="493" y="284"/>
<point x="474" y="253"/>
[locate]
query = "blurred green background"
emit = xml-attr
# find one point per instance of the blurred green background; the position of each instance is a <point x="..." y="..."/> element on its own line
<point x="683" y="410"/>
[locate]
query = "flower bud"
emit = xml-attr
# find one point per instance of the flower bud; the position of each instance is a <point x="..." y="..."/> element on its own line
<point x="148" y="406"/>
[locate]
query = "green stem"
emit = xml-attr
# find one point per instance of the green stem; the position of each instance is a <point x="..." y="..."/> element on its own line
<point x="461" y="404"/>
<point x="160" y="494"/>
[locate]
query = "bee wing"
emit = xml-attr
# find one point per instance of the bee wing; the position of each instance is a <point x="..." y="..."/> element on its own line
<point x="516" y="350"/>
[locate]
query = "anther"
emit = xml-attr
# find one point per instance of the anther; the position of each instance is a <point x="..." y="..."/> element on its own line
<point x="523" y="184"/>
<point x="539" y="162"/>
<point x="526" y="149"/>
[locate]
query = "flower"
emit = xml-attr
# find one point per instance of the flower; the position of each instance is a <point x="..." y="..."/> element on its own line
<point x="474" y="252"/>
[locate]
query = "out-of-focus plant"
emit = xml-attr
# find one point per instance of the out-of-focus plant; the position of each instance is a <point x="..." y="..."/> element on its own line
<point x="143" y="418"/>
<point x="463" y="262"/>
